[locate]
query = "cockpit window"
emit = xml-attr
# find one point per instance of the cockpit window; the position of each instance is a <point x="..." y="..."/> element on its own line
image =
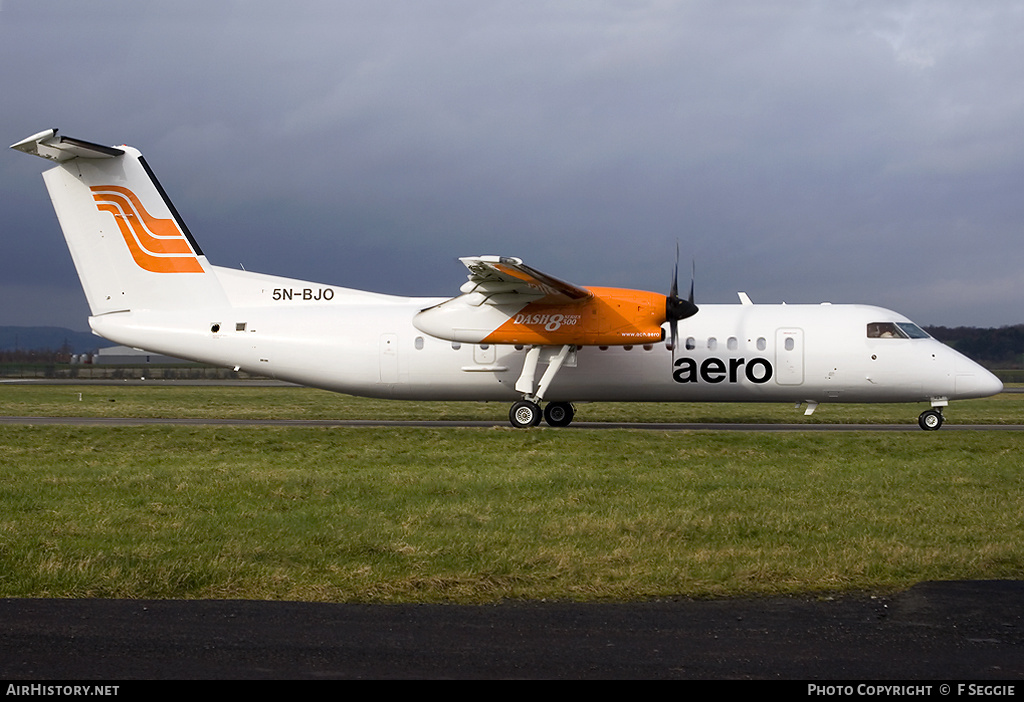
<point x="884" y="330"/>
<point x="895" y="330"/>
<point x="912" y="330"/>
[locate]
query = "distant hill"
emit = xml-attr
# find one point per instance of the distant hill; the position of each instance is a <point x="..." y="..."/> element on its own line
<point x="48" y="339"/>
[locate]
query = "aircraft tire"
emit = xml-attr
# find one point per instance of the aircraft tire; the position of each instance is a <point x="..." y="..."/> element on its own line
<point x="930" y="420"/>
<point x="559" y="414"/>
<point x="525" y="414"/>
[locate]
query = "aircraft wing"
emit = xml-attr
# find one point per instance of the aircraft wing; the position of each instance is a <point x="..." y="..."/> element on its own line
<point x="502" y="280"/>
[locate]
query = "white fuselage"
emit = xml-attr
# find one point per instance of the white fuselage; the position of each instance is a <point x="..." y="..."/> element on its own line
<point x="365" y="344"/>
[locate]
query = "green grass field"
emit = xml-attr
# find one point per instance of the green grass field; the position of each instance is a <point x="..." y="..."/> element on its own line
<point x="481" y="515"/>
<point x="254" y="402"/>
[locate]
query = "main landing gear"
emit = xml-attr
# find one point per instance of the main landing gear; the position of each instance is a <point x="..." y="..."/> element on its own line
<point x="526" y="412"/>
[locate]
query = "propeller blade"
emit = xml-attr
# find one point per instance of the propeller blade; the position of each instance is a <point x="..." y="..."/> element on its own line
<point x="674" y="290"/>
<point x="693" y="275"/>
<point x="677" y="308"/>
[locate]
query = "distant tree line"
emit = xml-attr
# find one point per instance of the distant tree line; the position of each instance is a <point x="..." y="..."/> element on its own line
<point x="1002" y="347"/>
<point x="61" y="355"/>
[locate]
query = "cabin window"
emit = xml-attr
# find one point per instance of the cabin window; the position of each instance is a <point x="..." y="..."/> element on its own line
<point x="762" y="344"/>
<point x="456" y="345"/>
<point x="712" y="343"/>
<point x="790" y="343"/>
<point x="732" y="343"/>
<point x="418" y="343"/>
<point x="691" y="343"/>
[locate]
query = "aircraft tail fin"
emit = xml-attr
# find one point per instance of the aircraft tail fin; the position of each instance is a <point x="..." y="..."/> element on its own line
<point x="129" y="245"/>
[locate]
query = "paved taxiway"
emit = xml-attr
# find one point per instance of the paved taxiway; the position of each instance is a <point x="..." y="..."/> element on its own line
<point x="933" y="631"/>
<point x="653" y="426"/>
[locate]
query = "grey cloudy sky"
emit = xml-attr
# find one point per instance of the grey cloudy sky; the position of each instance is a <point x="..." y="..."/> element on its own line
<point x="801" y="151"/>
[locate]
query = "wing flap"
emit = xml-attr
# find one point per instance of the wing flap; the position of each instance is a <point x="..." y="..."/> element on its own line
<point x="503" y="280"/>
<point x="498" y="289"/>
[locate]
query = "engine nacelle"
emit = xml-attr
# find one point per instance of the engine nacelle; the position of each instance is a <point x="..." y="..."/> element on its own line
<point x="610" y="317"/>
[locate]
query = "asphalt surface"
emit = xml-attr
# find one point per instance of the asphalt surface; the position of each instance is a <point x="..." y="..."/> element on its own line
<point x="933" y="631"/>
<point x="651" y="426"/>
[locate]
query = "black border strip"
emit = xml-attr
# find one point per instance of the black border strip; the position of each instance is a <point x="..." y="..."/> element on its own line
<point x="170" y="206"/>
<point x="99" y="148"/>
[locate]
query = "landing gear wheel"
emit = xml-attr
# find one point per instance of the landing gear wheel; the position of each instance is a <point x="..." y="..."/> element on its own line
<point x="524" y="414"/>
<point x="559" y="414"/>
<point x="930" y="420"/>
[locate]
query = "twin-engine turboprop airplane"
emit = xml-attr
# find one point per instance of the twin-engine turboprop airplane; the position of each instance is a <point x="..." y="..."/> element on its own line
<point x="149" y="285"/>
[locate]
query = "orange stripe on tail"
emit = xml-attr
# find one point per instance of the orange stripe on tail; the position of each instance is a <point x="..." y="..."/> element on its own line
<point x="156" y="245"/>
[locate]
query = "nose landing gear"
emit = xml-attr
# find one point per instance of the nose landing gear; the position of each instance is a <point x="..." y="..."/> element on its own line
<point x="930" y="420"/>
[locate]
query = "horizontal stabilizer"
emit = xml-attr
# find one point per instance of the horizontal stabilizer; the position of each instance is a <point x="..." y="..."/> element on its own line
<point x="60" y="148"/>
